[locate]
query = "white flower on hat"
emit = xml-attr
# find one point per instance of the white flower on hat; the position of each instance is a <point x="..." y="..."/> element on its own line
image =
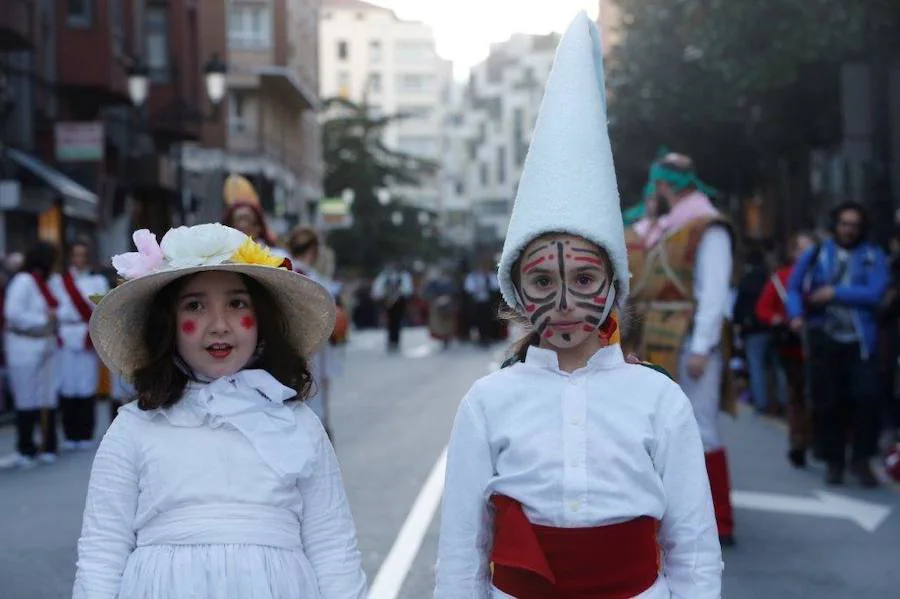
<point x="200" y="245"/>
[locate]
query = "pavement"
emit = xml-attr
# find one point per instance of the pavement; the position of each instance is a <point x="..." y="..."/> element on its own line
<point x="392" y="415"/>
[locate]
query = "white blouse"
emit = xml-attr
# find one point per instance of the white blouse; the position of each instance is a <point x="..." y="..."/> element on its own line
<point x="607" y="443"/>
<point x="73" y="329"/>
<point x="225" y="465"/>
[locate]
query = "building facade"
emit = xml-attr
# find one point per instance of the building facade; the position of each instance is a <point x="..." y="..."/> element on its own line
<point x="490" y="130"/>
<point x="271" y="132"/>
<point x="370" y="56"/>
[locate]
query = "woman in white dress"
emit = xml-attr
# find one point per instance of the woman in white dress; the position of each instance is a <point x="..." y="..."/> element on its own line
<point x="217" y="481"/>
<point x="30" y="343"/>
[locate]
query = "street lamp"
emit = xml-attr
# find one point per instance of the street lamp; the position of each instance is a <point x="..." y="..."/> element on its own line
<point x="349" y="196"/>
<point x="214" y="75"/>
<point x="384" y="196"/>
<point x="397" y="218"/>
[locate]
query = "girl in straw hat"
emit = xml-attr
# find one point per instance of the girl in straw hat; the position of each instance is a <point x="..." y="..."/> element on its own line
<point x="573" y="473"/>
<point x="217" y="481"/>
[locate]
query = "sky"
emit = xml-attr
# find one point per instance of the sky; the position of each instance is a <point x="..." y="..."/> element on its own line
<point x="465" y="29"/>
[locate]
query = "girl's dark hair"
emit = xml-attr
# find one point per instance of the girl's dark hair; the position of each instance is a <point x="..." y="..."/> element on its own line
<point x="160" y="383"/>
<point x="41" y="258"/>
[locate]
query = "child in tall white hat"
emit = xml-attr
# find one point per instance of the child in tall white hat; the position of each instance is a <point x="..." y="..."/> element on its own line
<point x="574" y="474"/>
<point x="217" y="481"/>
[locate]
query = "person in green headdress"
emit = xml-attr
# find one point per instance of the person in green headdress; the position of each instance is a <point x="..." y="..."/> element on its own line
<point x="681" y="264"/>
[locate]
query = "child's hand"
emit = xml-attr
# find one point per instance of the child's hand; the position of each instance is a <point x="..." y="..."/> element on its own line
<point x="696" y="365"/>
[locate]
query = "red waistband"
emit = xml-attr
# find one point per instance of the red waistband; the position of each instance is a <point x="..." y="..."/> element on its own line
<point x="530" y="561"/>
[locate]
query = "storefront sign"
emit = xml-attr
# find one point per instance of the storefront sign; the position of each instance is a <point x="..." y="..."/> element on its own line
<point x="79" y="142"/>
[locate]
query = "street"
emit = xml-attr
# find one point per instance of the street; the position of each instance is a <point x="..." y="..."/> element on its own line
<point x="392" y="415"/>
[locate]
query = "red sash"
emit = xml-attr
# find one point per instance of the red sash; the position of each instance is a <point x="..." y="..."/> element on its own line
<point x="51" y="300"/>
<point x="84" y="309"/>
<point x="618" y="561"/>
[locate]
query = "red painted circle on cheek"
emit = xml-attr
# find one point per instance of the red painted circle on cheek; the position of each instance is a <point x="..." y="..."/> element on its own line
<point x="530" y="308"/>
<point x="248" y="322"/>
<point x="600" y="300"/>
<point x="188" y="327"/>
<point x="548" y="334"/>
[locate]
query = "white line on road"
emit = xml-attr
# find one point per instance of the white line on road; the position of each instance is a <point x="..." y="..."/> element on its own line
<point x="421" y="351"/>
<point x="399" y="560"/>
<point x="866" y="514"/>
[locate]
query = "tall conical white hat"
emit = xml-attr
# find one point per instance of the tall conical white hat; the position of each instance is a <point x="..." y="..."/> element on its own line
<point x="568" y="182"/>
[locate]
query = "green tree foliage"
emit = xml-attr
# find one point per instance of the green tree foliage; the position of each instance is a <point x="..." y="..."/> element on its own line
<point x="732" y="81"/>
<point x="356" y="158"/>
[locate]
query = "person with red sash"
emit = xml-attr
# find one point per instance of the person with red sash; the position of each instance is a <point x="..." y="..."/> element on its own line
<point x="573" y="473"/>
<point x="79" y="366"/>
<point x="30" y="346"/>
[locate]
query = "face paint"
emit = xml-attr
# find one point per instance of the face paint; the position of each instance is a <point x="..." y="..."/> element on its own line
<point x="188" y="327"/>
<point x="565" y="284"/>
<point x="248" y="322"/>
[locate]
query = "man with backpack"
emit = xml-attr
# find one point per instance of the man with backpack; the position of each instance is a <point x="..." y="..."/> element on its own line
<point x="833" y="297"/>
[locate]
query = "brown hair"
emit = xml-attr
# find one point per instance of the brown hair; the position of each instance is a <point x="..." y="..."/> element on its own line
<point x="519" y="348"/>
<point x="160" y="383"/>
<point x="302" y="239"/>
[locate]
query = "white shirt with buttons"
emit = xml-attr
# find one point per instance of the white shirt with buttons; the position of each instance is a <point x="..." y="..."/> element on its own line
<point x="605" y="444"/>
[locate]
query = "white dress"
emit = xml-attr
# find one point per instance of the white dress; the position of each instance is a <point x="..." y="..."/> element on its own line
<point x="228" y="494"/>
<point x="605" y="444"/>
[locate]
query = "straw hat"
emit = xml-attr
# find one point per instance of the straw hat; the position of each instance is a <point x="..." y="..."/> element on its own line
<point x="568" y="182"/>
<point x="117" y="323"/>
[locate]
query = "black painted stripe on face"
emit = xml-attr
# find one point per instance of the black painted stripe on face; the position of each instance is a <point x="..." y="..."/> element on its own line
<point x="539" y="300"/>
<point x="540" y="312"/>
<point x="563" y="292"/>
<point x="592" y="294"/>
<point x="536" y="250"/>
<point x="566" y="337"/>
<point x="592" y="320"/>
<point x="590" y="307"/>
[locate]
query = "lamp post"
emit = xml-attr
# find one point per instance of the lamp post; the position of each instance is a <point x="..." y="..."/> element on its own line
<point x="214" y="77"/>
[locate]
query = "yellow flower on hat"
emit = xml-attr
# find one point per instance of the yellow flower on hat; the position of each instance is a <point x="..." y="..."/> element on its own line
<point x="251" y="252"/>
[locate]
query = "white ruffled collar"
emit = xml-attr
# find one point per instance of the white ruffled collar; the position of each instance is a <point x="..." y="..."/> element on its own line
<point x="251" y="402"/>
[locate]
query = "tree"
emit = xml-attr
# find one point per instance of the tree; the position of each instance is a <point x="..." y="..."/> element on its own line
<point x="356" y="158"/>
<point x="731" y="82"/>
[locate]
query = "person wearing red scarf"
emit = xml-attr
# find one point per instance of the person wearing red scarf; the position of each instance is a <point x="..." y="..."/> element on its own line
<point x="79" y="365"/>
<point x="30" y="345"/>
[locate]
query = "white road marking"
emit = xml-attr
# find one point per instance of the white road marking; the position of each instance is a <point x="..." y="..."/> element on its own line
<point x="396" y="565"/>
<point x="866" y="514"/>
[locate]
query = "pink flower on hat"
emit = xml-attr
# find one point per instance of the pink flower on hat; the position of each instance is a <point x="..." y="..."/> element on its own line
<point x="148" y="257"/>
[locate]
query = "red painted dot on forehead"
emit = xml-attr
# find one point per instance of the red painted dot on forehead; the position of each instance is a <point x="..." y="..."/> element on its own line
<point x="188" y="327"/>
<point x="248" y="322"/>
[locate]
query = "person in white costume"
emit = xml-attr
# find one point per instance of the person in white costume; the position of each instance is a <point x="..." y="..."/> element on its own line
<point x="304" y="246"/>
<point x="217" y="481"/>
<point x="572" y="473"/>
<point x="30" y="344"/>
<point x="79" y="366"/>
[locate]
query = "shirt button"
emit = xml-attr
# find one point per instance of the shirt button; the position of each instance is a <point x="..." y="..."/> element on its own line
<point x="576" y="421"/>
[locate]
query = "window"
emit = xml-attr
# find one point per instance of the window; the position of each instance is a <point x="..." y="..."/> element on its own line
<point x="501" y="165"/>
<point x="375" y="83"/>
<point x="375" y="52"/>
<point x="117" y="27"/>
<point x="343" y="50"/>
<point x="236" y="119"/>
<point x="79" y="13"/>
<point x="343" y="79"/>
<point x="414" y="51"/>
<point x="418" y="145"/>
<point x="415" y="111"/>
<point x="156" y="42"/>
<point x="250" y="27"/>
<point x="415" y="82"/>
<point x="485" y="178"/>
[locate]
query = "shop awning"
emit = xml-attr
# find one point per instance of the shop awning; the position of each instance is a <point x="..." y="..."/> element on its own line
<point x="78" y="200"/>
